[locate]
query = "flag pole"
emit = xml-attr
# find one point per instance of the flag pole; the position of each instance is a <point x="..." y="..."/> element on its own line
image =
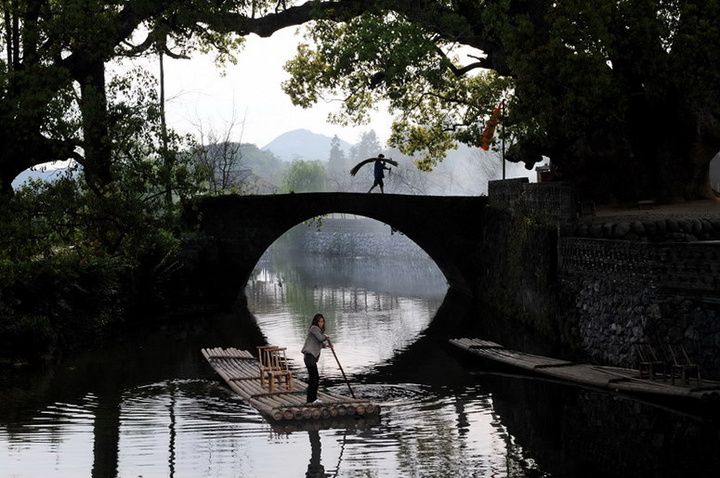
<point x="502" y="115"/>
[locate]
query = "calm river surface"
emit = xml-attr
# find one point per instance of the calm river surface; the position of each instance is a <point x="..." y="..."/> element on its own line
<point x="150" y="406"/>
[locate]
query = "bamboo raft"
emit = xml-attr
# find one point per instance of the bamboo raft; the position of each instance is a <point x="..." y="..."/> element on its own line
<point x="241" y="372"/>
<point x="615" y="379"/>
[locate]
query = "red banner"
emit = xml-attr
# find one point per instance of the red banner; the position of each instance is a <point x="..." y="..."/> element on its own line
<point x="489" y="131"/>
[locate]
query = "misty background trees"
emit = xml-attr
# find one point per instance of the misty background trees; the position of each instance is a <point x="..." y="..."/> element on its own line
<point x="242" y="168"/>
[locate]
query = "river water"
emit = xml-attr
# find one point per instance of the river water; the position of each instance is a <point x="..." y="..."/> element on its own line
<point x="149" y="405"/>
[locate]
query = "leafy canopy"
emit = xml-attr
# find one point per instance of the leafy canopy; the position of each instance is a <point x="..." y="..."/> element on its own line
<point x="435" y="104"/>
<point x="594" y="87"/>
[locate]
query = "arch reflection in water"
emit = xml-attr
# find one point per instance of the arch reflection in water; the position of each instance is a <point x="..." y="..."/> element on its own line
<point x="368" y="325"/>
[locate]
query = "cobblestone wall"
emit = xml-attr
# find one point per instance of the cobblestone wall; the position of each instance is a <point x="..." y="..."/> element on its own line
<point x="692" y="266"/>
<point x="611" y="314"/>
<point x="620" y="283"/>
<point x="658" y="230"/>
<point x="624" y="292"/>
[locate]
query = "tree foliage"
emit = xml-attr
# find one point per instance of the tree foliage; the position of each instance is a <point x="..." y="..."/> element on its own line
<point x="75" y="257"/>
<point x="53" y="90"/>
<point x="338" y="167"/>
<point x="386" y="57"/>
<point x="305" y="177"/>
<point x="621" y="94"/>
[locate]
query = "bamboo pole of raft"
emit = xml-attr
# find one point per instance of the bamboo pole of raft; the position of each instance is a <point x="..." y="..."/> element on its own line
<point x="277" y="404"/>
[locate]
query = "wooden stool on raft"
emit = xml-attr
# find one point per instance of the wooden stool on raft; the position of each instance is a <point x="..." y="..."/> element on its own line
<point x="274" y="368"/>
<point x="682" y="367"/>
<point x="648" y="363"/>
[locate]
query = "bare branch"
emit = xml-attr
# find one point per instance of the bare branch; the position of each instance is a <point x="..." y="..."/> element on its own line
<point x="458" y="72"/>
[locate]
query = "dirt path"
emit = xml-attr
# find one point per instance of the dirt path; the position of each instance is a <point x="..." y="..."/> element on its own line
<point x="702" y="209"/>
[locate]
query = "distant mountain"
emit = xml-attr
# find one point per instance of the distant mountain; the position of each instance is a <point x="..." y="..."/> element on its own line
<point x="43" y="174"/>
<point x="303" y="144"/>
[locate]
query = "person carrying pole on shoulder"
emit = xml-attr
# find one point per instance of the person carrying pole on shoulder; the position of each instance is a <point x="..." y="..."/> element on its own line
<point x="379" y="173"/>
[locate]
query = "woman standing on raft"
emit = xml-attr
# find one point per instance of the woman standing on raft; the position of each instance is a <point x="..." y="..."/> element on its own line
<point x="316" y="340"/>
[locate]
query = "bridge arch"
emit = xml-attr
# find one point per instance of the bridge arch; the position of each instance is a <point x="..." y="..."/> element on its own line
<point x="447" y="228"/>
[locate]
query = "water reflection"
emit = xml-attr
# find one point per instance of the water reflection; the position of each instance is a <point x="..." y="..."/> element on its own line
<point x="489" y="426"/>
<point x="150" y="405"/>
<point x="315" y="468"/>
<point x="199" y="428"/>
<point x="574" y="431"/>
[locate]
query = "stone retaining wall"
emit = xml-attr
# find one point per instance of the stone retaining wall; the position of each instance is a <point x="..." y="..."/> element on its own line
<point x="689" y="266"/>
<point x="659" y="230"/>
<point x="629" y="292"/>
<point x="622" y="282"/>
<point x="553" y="199"/>
<point x="613" y="314"/>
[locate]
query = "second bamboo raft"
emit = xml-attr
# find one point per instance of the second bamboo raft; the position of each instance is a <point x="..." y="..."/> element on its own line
<point x="240" y="370"/>
<point x="612" y="378"/>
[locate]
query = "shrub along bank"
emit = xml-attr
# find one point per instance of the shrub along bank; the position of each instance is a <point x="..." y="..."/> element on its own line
<point x="77" y="264"/>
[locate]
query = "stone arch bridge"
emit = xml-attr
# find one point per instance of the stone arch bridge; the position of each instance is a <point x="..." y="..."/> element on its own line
<point x="448" y="228"/>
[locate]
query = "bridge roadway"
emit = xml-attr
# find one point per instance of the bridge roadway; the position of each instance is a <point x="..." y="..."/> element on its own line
<point x="448" y="228"/>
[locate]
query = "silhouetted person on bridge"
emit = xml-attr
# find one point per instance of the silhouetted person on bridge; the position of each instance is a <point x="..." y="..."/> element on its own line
<point x="379" y="171"/>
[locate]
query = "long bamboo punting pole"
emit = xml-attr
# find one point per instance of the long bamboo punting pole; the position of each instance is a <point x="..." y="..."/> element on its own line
<point x="341" y="369"/>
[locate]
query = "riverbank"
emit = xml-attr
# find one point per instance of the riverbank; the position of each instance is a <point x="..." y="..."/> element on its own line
<point x="699" y="209"/>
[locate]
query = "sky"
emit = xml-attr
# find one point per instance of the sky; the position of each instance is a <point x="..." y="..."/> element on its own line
<point x="200" y="96"/>
<point x="250" y="94"/>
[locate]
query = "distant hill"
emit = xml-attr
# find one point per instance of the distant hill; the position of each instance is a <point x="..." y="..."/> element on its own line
<point x="303" y="144"/>
<point x="45" y="175"/>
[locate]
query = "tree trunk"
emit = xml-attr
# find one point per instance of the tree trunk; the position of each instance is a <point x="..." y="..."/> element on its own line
<point x="96" y="142"/>
<point x="675" y="144"/>
<point x="662" y="152"/>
